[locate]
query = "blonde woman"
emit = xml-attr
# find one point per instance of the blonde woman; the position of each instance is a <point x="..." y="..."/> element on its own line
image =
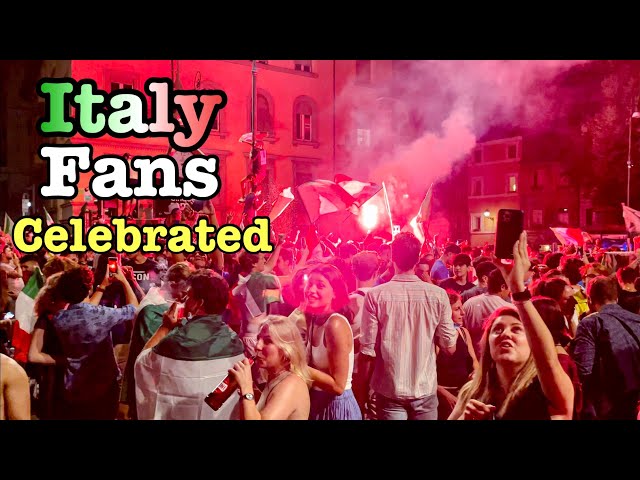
<point x="520" y="376"/>
<point x="280" y="351"/>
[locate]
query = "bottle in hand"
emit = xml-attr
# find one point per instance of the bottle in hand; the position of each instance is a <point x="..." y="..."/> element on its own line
<point x="223" y="391"/>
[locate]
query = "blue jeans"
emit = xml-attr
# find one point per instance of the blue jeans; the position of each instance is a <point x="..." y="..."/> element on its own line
<point x="423" y="408"/>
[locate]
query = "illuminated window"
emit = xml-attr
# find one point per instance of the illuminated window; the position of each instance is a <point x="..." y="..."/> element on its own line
<point x="302" y="65"/>
<point x="303" y="127"/>
<point x="563" y="216"/>
<point x="476" y="222"/>
<point x="512" y="183"/>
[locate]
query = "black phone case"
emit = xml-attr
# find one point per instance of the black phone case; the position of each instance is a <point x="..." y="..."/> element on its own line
<point x="510" y="226"/>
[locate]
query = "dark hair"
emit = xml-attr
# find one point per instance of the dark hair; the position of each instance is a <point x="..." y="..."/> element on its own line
<point x="552" y="260"/>
<point x="30" y="257"/>
<point x="298" y="284"/>
<point x="570" y="267"/>
<point x="602" y="290"/>
<point x="452" y="248"/>
<point x="247" y="261"/>
<point x="553" y="317"/>
<point x="484" y="269"/>
<point x="462" y="259"/>
<point x="627" y="275"/>
<point x="288" y="255"/>
<point x="633" y="305"/>
<point x="340" y="302"/>
<point x="495" y="281"/>
<point x="552" y="288"/>
<point x="345" y="270"/>
<point x="211" y="288"/>
<point x="453" y="296"/>
<point x="405" y="250"/>
<point x="74" y="285"/>
<point x="4" y="290"/>
<point x="346" y="250"/>
<point x="365" y="265"/>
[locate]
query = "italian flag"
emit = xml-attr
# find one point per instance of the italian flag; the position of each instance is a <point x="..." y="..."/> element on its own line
<point x="174" y="377"/>
<point x="25" y="316"/>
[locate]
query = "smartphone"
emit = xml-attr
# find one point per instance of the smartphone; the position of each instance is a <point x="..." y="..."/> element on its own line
<point x="510" y="226"/>
<point x="113" y="265"/>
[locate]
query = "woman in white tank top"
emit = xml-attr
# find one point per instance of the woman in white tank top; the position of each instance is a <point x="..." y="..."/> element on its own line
<point x="329" y="346"/>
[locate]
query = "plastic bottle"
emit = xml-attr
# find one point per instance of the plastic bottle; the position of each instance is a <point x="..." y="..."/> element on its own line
<point x="223" y="391"/>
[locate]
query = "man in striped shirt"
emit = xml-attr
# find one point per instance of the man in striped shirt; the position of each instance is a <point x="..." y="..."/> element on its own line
<point x="400" y="321"/>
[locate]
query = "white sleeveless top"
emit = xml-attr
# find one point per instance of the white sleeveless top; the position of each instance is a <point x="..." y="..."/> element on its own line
<point x="319" y="356"/>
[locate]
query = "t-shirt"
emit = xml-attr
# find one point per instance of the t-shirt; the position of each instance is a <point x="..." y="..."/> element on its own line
<point x="450" y="283"/>
<point x="147" y="274"/>
<point x="439" y="271"/>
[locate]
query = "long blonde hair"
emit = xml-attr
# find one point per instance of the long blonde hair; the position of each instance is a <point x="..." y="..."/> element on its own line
<point x="285" y="335"/>
<point x="485" y="386"/>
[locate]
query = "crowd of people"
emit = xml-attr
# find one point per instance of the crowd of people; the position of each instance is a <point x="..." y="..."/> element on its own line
<point x="373" y="330"/>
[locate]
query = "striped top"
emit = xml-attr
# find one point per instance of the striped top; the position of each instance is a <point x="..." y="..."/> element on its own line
<point x="400" y="321"/>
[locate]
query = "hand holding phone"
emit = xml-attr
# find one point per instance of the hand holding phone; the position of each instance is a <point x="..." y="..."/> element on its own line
<point x="112" y="266"/>
<point x="510" y="226"/>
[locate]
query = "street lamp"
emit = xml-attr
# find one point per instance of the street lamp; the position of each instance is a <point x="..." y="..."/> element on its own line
<point x="634" y="115"/>
<point x="487" y="213"/>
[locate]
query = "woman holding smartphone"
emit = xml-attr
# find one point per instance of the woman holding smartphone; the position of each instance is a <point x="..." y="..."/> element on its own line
<point x="520" y="376"/>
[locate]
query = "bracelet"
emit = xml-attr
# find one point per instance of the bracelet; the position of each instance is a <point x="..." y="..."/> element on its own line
<point x="100" y="289"/>
<point x="520" y="297"/>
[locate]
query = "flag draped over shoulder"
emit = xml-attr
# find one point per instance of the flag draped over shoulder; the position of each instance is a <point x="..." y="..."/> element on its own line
<point x="25" y="316"/>
<point x="173" y="378"/>
<point x="631" y="219"/>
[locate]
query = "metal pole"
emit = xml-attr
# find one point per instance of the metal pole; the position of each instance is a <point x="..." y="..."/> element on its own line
<point x="254" y="74"/>
<point x="629" y="161"/>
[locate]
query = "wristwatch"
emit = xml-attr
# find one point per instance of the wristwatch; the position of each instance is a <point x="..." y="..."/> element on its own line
<point x="247" y="396"/>
<point x="521" y="296"/>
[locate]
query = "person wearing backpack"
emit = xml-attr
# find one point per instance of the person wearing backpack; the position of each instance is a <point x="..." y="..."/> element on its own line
<point x="606" y="350"/>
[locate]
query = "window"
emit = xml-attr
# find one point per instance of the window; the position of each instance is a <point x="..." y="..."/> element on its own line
<point x="304" y="127"/>
<point x="363" y="71"/>
<point x="476" y="187"/>
<point x="512" y="151"/>
<point x="538" y="179"/>
<point x="264" y="120"/>
<point x="512" y="183"/>
<point x="563" y="216"/>
<point x="589" y="215"/>
<point x="477" y="155"/>
<point x="476" y="222"/>
<point x="536" y="217"/>
<point x="363" y="137"/>
<point x="302" y="65"/>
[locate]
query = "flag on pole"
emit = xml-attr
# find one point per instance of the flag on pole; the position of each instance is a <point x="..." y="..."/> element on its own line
<point x="631" y="219"/>
<point x="48" y="218"/>
<point x="388" y="209"/>
<point x="8" y="224"/>
<point x="424" y="213"/>
<point x="281" y="203"/>
<point x="25" y="315"/>
<point x="321" y="197"/>
<point x="568" y="235"/>
<point x="361" y="191"/>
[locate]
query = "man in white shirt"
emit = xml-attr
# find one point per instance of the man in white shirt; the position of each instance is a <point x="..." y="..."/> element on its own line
<point x="401" y="321"/>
